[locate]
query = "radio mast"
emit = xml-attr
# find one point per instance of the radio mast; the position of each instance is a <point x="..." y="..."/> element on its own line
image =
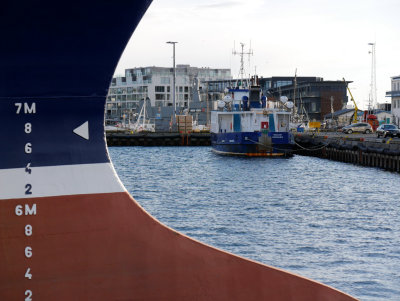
<point x="373" y="97"/>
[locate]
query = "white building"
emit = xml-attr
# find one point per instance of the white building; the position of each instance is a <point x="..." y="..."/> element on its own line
<point x="395" y="95"/>
<point x="155" y="84"/>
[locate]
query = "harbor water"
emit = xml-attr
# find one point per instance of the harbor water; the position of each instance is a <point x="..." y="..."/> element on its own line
<point x="334" y="222"/>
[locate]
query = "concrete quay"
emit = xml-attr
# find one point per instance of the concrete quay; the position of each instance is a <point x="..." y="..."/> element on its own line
<point x="359" y="149"/>
<point x="158" y="139"/>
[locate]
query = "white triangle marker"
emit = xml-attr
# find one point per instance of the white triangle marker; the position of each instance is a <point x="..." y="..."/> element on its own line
<point x="83" y="130"/>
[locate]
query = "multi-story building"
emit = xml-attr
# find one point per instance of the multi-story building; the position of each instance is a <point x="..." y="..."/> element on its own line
<point x="395" y="95"/>
<point x="310" y="94"/>
<point x="156" y="85"/>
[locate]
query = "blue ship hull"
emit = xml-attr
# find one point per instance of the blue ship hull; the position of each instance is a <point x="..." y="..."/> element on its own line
<point x="251" y="144"/>
<point x="69" y="230"/>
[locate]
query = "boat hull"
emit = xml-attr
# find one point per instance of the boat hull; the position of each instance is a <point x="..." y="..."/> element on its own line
<point x="253" y="144"/>
<point x="106" y="247"/>
<point x="69" y="230"/>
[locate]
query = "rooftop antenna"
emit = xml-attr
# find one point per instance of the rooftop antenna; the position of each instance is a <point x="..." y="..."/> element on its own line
<point x="242" y="54"/>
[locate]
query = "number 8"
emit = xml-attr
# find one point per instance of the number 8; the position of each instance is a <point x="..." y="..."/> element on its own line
<point x="28" y="230"/>
<point x="28" y="128"/>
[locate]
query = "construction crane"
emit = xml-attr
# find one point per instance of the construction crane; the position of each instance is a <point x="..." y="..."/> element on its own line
<point x="355" y="119"/>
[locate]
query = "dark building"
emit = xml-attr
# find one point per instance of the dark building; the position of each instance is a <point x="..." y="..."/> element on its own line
<point x="315" y="95"/>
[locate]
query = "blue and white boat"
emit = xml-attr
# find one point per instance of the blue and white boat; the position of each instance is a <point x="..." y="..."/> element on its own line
<point x="247" y="124"/>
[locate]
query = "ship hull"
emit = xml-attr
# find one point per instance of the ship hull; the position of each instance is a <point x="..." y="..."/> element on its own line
<point x="253" y="144"/>
<point x="69" y="230"/>
<point x="106" y="247"/>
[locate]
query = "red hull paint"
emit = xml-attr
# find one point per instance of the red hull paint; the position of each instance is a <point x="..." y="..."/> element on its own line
<point x="106" y="247"/>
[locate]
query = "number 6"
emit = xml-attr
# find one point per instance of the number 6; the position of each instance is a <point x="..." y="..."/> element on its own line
<point x="28" y="252"/>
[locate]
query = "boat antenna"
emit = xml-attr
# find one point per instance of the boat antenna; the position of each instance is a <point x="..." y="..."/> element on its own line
<point x="250" y="53"/>
<point x="242" y="54"/>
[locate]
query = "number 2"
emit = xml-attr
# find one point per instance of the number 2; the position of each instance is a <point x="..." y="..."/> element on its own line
<point x="28" y="294"/>
<point x="28" y="188"/>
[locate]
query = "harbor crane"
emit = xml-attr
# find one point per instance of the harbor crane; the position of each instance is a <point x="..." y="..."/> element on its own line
<point x="355" y="119"/>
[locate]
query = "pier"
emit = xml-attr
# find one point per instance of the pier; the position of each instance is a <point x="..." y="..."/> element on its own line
<point x="364" y="150"/>
<point x="158" y="139"/>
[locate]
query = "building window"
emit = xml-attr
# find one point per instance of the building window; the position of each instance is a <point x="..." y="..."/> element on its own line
<point x="142" y="89"/>
<point x="165" y="80"/>
<point x="160" y="96"/>
<point x="281" y="83"/>
<point x="160" y="89"/>
<point x="313" y="107"/>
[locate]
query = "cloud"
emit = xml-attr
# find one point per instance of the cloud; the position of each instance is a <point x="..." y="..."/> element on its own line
<point x="218" y="5"/>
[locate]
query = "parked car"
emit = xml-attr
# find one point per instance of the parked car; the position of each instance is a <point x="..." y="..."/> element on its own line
<point x="360" y="127"/>
<point x="388" y="130"/>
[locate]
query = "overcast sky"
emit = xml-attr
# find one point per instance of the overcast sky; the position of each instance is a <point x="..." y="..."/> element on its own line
<point x="324" y="38"/>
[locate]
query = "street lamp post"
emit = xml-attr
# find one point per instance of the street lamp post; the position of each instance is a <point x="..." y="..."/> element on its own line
<point x="174" y="79"/>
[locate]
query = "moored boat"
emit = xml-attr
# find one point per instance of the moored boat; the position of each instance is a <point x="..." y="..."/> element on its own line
<point x="247" y="124"/>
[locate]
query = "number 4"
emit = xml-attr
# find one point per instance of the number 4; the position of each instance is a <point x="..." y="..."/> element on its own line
<point x="28" y="168"/>
<point x="28" y="274"/>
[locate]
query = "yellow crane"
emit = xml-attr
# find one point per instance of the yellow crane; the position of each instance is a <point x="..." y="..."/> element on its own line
<point x="355" y="119"/>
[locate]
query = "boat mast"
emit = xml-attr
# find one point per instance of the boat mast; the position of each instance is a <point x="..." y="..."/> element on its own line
<point x="207" y="100"/>
<point x="144" y="113"/>
<point x="242" y="53"/>
<point x="295" y="117"/>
